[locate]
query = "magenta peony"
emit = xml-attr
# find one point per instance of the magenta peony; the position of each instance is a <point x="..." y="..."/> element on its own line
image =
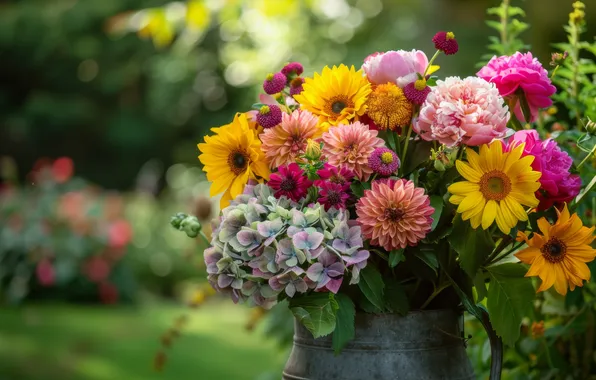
<point x="520" y="71"/>
<point x="556" y="184"/>
<point x="399" y="67"/>
<point x="466" y="111"/>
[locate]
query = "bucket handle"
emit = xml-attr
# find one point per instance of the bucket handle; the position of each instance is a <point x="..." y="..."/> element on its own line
<point x="496" y="347"/>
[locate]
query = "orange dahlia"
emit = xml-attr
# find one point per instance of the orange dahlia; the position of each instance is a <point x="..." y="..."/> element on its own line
<point x="394" y="214"/>
<point x="350" y="146"/>
<point x="284" y="143"/>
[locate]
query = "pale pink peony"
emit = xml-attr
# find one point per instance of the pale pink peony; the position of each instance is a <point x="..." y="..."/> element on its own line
<point x="466" y="111"/>
<point x="350" y="146"/>
<point x="520" y="71"/>
<point x="399" y="67"/>
<point x="394" y="214"/>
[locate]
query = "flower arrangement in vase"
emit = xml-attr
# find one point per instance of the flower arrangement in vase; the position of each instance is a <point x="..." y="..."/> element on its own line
<point x="388" y="190"/>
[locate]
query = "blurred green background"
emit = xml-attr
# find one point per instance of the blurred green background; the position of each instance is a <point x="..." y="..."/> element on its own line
<point x="126" y="89"/>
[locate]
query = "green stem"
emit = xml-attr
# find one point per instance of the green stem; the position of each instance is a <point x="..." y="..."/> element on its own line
<point x="574" y="42"/>
<point x="405" y="151"/>
<point x="204" y="238"/>
<point x="547" y="352"/>
<point x="395" y="142"/>
<point x="504" y="23"/>
<point x="430" y="63"/>
<point x="587" y="157"/>
<point x="435" y="293"/>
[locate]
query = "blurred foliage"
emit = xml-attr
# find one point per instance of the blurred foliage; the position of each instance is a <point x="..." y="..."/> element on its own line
<point x="76" y="82"/>
<point x="61" y="238"/>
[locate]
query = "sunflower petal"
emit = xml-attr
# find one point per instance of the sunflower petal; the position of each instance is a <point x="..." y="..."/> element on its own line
<point x="467" y="171"/>
<point x="489" y="214"/>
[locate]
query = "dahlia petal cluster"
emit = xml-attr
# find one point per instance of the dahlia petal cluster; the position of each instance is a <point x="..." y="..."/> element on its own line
<point x="262" y="246"/>
<point x="466" y="111"/>
<point x="290" y="181"/>
<point x="394" y="214"/>
<point x="286" y="142"/>
<point x="557" y="185"/>
<point x="400" y="67"/>
<point x="520" y="72"/>
<point x="350" y="146"/>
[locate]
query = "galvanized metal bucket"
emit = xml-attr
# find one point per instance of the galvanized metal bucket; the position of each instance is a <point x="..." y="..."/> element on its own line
<point x="423" y="345"/>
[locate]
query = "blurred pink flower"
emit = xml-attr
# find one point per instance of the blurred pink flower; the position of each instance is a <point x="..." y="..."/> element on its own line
<point x="466" y="111"/>
<point x="524" y="72"/>
<point x="45" y="272"/>
<point x="108" y="293"/>
<point x="399" y="67"/>
<point x="62" y="169"/>
<point x="557" y="185"/>
<point x="97" y="269"/>
<point x="119" y="234"/>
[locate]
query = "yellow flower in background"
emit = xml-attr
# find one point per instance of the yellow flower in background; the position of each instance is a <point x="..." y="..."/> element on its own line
<point x="498" y="185"/>
<point x="560" y="254"/>
<point x="198" y="15"/>
<point x="156" y="25"/>
<point x="231" y="157"/>
<point x="337" y="96"/>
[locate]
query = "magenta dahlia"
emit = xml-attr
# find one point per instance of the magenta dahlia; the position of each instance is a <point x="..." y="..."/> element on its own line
<point x="290" y="181"/>
<point x="329" y="173"/>
<point x="332" y="195"/>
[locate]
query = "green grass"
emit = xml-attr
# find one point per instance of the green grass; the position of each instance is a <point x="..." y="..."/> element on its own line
<point x="103" y="343"/>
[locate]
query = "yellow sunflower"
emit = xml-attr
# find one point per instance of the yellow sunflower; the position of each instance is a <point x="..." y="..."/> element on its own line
<point x="337" y="96"/>
<point x="560" y="254"/>
<point x="231" y="157"/>
<point x="498" y="185"/>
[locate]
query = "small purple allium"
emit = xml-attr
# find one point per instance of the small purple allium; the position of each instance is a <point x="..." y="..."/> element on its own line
<point x="384" y="161"/>
<point x="269" y="116"/>
<point x="416" y="92"/>
<point x="274" y="83"/>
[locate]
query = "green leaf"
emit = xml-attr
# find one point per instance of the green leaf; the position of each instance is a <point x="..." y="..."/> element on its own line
<point x="480" y="286"/>
<point x="396" y="297"/>
<point x="372" y="285"/>
<point x="317" y="312"/>
<point x="472" y="245"/>
<point x="418" y="153"/>
<point x="510" y="297"/>
<point x="395" y="257"/>
<point x="358" y="188"/>
<point x="436" y="202"/>
<point x="344" y="323"/>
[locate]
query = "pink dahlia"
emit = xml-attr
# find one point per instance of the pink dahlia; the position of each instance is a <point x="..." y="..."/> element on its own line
<point x="384" y="161"/>
<point x="557" y="185"/>
<point x="350" y="146"/>
<point x="400" y="67"/>
<point x="329" y="173"/>
<point x="394" y="214"/>
<point x="284" y="143"/>
<point x="332" y="195"/>
<point x="289" y="181"/>
<point x="520" y="72"/>
<point x="466" y="111"/>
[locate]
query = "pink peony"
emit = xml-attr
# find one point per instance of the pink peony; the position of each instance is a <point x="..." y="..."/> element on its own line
<point x="557" y="185"/>
<point x="466" y="111"/>
<point x="399" y="67"/>
<point x="46" y="275"/>
<point x="520" y="71"/>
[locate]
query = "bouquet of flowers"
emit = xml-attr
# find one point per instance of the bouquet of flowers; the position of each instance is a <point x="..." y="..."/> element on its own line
<point x="386" y="189"/>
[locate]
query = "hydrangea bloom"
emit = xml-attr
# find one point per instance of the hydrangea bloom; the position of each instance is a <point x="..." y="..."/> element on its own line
<point x="263" y="246"/>
<point x="557" y="185"/>
<point x="466" y="111"/>
<point x="400" y="67"/>
<point x="520" y="72"/>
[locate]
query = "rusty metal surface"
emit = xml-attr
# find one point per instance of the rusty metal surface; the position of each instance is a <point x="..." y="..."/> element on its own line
<point x="423" y="345"/>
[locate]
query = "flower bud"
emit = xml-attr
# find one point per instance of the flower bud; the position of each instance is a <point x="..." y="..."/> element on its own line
<point x="191" y="226"/>
<point x="313" y="150"/>
<point x="591" y="127"/>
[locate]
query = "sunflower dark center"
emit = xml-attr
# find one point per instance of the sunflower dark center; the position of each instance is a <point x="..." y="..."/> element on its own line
<point x="237" y="161"/>
<point x="287" y="184"/>
<point x="394" y="214"/>
<point x="554" y="250"/>
<point x="338" y="106"/>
